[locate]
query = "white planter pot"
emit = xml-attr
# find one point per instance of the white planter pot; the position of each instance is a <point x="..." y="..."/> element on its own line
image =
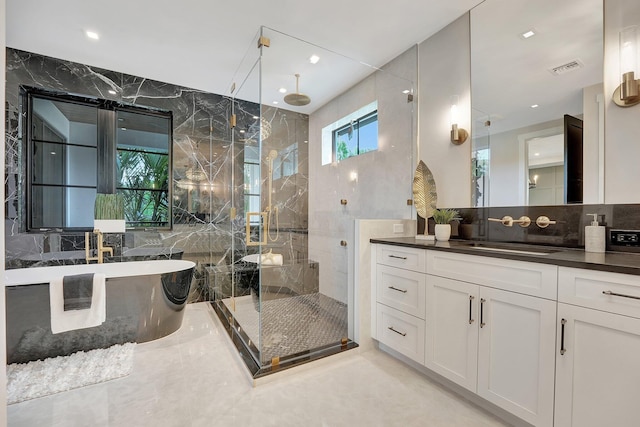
<point x="443" y="232"/>
<point x="109" y="225"/>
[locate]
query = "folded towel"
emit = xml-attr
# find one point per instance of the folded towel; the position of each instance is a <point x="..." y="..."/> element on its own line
<point x="77" y="291"/>
<point x="62" y="321"/>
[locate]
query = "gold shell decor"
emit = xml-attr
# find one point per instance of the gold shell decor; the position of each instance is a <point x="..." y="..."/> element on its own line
<point x="424" y="191"/>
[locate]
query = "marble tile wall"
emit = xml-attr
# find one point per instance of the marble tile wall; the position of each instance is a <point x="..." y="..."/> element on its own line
<point x="202" y="138"/>
<point x="567" y="232"/>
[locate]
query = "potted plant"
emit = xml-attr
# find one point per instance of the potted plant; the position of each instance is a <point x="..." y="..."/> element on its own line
<point x="109" y="213"/>
<point x="443" y="217"/>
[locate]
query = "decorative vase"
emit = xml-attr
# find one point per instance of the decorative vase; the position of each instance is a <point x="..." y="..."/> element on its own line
<point x="443" y="232"/>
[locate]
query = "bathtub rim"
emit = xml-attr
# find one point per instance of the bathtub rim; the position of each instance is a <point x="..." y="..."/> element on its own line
<point x="35" y="275"/>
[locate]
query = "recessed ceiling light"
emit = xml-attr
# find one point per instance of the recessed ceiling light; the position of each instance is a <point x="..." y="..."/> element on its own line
<point x="527" y="34"/>
<point x="112" y="92"/>
<point x="282" y="90"/>
<point x="536" y="154"/>
<point x="255" y="117"/>
<point x="406" y="91"/>
<point x="314" y="59"/>
<point x="92" y="35"/>
<point x="53" y="152"/>
<point x="241" y="130"/>
<point x="275" y="102"/>
<point x="123" y="128"/>
<point x="535" y="106"/>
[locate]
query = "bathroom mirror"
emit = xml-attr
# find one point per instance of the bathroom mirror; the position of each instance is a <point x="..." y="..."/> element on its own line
<point x="532" y="63"/>
<point x="79" y="146"/>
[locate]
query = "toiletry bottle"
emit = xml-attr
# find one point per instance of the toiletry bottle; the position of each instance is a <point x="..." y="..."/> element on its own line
<point x="594" y="236"/>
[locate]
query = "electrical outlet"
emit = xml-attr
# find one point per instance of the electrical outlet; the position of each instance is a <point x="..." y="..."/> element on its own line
<point x="625" y="237"/>
<point x="398" y="228"/>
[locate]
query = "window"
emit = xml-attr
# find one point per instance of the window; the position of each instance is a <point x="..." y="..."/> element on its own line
<point x="286" y="162"/>
<point x="252" y="182"/>
<point x="352" y="135"/>
<point x="80" y="146"/>
<point x="357" y="137"/>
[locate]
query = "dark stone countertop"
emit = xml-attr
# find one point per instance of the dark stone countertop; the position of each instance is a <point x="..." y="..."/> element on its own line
<point x="614" y="262"/>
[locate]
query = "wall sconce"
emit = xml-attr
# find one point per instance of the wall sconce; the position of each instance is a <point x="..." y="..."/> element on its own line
<point x="628" y="93"/>
<point x="458" y="135"/>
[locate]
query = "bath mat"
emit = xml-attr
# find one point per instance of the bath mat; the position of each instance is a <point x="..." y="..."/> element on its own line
<point x="44" y="377"/>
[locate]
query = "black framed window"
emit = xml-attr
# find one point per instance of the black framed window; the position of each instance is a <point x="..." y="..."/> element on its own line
<point x="79" y="146"/>
<point x="357" y="137"/>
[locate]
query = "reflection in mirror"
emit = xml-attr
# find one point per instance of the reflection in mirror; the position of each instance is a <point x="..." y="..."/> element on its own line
<point x="532" y="63"/>
<point x="79" y="146"/>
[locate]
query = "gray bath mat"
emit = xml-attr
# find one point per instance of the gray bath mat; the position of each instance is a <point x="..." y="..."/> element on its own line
<point x="44" y="377"/>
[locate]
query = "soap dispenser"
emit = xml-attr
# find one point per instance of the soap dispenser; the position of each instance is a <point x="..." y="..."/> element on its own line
<point x="594" y="236"/>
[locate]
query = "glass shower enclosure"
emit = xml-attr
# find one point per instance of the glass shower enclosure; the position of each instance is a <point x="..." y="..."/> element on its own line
<point x="290" y="294"/>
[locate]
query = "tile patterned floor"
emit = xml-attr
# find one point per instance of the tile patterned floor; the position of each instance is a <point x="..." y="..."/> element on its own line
<point x="292" y="324"/>
<point x="194" y="377"/>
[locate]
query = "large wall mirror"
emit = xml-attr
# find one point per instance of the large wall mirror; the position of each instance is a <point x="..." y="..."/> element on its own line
<point x="79" y="146"/>
<point x="537" y="106"/>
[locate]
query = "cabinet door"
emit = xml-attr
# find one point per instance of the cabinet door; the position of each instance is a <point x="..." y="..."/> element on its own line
<point x="598" y="374"/>
<point x="516" y="354"/>
<point x="452" y="330"/>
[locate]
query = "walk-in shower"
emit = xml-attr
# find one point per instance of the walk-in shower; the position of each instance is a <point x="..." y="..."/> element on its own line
<point x="285" y="289"/>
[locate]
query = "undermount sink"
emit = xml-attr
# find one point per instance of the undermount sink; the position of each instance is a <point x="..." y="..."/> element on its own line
<point x="511" y="250"/>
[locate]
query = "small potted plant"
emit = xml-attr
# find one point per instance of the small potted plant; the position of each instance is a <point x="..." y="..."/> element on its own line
<point x="109" y="213"/>
<point x="442" y="218"/>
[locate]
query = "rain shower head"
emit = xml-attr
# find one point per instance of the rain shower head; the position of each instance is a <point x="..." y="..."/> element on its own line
<point x="297" y="99"/>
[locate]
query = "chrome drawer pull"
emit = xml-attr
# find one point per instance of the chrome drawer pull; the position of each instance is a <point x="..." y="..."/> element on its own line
<point x="404" y="334"/>
<point x="613" y="294"/>
<point x="482" y="301"/>
<point x="398" y="257"/>
<point x="404" y="291"/>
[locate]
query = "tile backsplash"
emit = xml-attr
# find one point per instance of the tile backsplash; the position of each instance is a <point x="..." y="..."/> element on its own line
<point x="568" y="231"/>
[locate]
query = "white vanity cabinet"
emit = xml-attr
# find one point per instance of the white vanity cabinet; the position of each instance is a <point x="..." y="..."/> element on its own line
<point x="598" y="349"/>
<point x="399" y="306"/>
<point x="489" y="339"/>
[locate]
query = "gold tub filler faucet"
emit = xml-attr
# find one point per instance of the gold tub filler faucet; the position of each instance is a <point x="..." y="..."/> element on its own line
<point x="89" y="238"/>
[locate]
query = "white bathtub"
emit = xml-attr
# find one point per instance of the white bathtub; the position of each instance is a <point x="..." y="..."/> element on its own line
<point x="145" y="301"/>
<point x="33" y="275"/>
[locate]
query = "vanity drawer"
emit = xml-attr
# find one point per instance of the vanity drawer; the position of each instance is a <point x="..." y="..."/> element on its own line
<point x="401" y="289"/>
<point x="587" y="288"/>
<point x="398" y="256"/>
<point x="402" y="332"/>
<point x="529" y="278"/>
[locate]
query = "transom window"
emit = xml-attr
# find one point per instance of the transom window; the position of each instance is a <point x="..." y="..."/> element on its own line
<point x="352" y="135"/>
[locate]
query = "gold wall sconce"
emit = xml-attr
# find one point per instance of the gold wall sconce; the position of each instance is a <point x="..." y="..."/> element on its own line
<point x="628" y="93"/>
<point x="458" y="135"/>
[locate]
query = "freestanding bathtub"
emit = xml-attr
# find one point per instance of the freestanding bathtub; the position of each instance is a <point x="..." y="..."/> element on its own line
<point x="145" y="301"/>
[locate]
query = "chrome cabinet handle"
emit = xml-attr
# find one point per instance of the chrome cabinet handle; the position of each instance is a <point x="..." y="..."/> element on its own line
<point x="471" y="298"/>
<point x="404" y="291"/>
<point x="613" y="294"/>
<point x="398" y="257"/>
<point x="404" y="334"/>
<point x="562" y="349"/>
<point x="482" y="301"/>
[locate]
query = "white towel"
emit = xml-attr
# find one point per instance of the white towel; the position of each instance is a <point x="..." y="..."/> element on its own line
<point x="62" y="321"/>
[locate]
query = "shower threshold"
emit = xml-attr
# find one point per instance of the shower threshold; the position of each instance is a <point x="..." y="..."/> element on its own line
<point x="243" y="336"/>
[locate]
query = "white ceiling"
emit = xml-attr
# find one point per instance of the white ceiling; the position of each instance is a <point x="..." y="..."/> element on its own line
<point x="201" y="43"/>
<point x="510" y="74"/>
